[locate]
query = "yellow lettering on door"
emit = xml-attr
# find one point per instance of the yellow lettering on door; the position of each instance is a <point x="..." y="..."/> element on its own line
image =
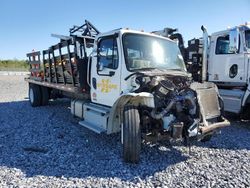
<point x="106" y="86"/>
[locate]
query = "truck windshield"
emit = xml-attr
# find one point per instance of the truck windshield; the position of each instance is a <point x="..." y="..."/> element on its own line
<point x="144" y="52"/>
<point x="247" y="37"/>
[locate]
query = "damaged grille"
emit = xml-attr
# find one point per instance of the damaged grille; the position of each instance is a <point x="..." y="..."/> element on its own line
<point x="208" y="99"/>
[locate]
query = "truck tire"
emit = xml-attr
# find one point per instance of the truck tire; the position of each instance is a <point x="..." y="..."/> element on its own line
<point x="131" y="134"/>
<point x="35" y="95"/>
<point x="45" y="95"/>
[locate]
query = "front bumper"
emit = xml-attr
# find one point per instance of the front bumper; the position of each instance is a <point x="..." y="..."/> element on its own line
<point x="214" y="126"/>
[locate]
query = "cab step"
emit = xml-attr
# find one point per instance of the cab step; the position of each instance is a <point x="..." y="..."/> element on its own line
<point x="95" y="117"/>
<point x="232" y="99"/>
<point x="92" y="127"/>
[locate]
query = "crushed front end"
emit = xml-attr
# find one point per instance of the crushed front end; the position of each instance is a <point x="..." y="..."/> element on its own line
<point x="210" y="109"/>
<point x="183" y="109"/>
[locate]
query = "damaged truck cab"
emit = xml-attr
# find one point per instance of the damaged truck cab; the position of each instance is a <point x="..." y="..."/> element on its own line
<point x="143" y="79"/>
<point x="138" y="84"/>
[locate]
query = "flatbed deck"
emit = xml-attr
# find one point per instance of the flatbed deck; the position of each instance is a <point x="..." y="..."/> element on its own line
<point x="74" y="91"/>
<point x="63" y="66"/>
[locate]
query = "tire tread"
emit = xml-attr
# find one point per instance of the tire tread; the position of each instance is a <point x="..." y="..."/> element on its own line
<point x="131" y="134"/>
<point x="37" y="95"/>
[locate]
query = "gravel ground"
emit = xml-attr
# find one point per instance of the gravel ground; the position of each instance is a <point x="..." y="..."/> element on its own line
<point x="45" y="147"/>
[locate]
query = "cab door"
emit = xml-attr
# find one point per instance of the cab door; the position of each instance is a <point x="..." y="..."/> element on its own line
<point x="106" y="71"/>
<point x="225" y="66"/>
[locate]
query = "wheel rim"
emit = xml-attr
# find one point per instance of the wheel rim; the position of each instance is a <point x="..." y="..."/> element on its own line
<point x="31" y="95"/>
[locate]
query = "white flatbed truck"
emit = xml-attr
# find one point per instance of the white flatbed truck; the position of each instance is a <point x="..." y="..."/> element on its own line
<point x="129" y="81"/>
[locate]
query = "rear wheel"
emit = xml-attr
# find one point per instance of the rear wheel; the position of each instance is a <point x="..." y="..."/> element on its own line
<point x="45" y="95"/>
<point x="35" y="95"/>
<point x="131" y="134"/>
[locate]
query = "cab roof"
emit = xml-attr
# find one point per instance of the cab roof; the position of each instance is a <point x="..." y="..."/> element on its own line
<point x="240" y="27"/>
<point x="122" y="31"/>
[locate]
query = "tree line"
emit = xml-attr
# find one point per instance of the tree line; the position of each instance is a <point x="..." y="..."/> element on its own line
<point x="14" y="65"/>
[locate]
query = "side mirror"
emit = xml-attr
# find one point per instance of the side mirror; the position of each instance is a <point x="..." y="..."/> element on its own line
<point x="234" y="40"/>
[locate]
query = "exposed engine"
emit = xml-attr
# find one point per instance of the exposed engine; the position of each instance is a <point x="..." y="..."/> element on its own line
<point x="176" y="111"/>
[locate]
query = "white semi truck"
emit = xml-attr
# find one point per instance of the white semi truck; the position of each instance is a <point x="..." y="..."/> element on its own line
<point x="226" y="62"/>
<point x="128" y="81"/>
<point x="222" y="58"/>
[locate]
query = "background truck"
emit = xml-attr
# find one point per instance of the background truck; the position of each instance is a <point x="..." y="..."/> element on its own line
<point x="224" y="59"/>
<point x="128" y="81"/>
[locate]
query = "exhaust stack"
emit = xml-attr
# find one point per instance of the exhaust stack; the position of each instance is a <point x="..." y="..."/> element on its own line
<point x="204" y="52"/>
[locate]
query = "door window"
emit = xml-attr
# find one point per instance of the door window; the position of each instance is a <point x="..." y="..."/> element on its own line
<point x="108" y="53"/>
<point x="222" y="45"/>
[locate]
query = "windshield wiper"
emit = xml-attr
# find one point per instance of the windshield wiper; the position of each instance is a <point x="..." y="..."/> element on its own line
<point x="148" y="68"/>
<point x="178" y="70"/>
<point x="140" y="73"/>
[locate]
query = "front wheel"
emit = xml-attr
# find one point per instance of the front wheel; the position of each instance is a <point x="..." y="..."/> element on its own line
<point x="245" y="114"/>
<point x="131" y="134"/>
<point x="35" y="95"/>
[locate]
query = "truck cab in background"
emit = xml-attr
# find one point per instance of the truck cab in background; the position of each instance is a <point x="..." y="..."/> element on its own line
<point x="228" y="66"/>
<point x="222" y="58"/>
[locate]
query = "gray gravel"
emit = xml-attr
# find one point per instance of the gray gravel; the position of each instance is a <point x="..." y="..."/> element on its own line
<point x="45" y="147"/>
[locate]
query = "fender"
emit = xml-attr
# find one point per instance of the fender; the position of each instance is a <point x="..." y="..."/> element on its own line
<point x="116" y="112"/>
<point x="246" y="98"/>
